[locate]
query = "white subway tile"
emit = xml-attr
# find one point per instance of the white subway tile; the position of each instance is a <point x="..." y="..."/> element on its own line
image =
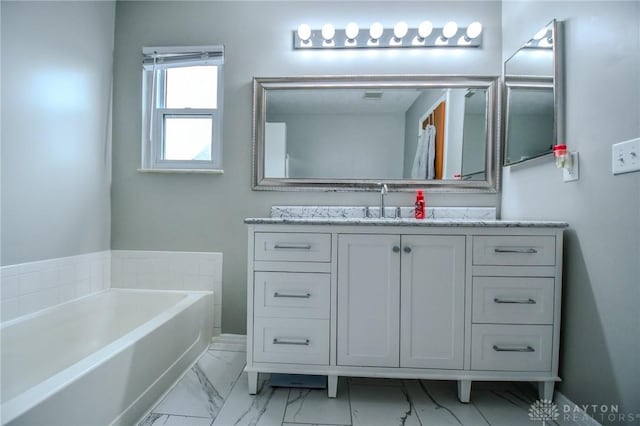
<point x="217" y="315"/>
<point x="184" y="263"/>
<point x="217" y="294"/>
<point x="9" y="271"/>
<point x="83" y="287"/>
<point x="67" y="292"/>
<point x="160" y="265"/>
<point x="10" y="309"/>
<point x="10" y="287"/>
<point x="117" y="273"/>
<point x="50" y="277"/>
<point x="208" y="266"/>
<point x="36" y="301"/>
<point x="68" y="272"/>
<point x="40" y="284"/>
<point x="191" y="282"/>
<point x="26" y="268"/>
<point x="146" y="281"/>
<point x="30" y="282"/>
<point x="96" y="284"/>
<point x="83" y="268"/>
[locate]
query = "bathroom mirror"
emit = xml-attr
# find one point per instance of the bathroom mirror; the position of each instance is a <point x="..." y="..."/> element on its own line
<point x="533" y="97"/>
<point x="352" y="132"/>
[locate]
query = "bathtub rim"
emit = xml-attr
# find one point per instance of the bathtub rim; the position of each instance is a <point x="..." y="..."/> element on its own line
<point x="41" y="312"/>
<point x="25" y="401"/>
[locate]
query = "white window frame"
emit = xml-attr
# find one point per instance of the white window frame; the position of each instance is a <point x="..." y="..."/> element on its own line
<point x="156" y="61"/>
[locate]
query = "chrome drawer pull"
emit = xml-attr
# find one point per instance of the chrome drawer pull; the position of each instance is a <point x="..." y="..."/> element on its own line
<point x="296" y="296"/>
<point x="518" y="301"/>
<point x="516" y="250"/>
<point x="513" y="349"/>
<point x="303" y="342"/>
<point x="293" y="246"/>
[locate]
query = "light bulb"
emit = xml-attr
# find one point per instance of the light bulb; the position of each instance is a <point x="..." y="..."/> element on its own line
<point x="352" y="30"/>
<point x="449" y="30"/>
<point x="474" y="29"/>
<point x="328" y="31"/>
<point x="424" y="29"/>
<point x="376" y="30"/>
<point x="400" y="30"/>
<point x="304" y="32"/>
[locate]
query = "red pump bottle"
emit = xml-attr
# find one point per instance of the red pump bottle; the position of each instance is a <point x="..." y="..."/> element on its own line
<point x="420" y="205"/>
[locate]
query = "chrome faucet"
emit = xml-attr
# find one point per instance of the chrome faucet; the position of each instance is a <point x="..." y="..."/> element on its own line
<point x="384" y="190"/>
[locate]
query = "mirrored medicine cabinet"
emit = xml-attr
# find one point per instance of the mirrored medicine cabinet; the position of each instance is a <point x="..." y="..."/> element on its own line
<point x="533" y="97"/>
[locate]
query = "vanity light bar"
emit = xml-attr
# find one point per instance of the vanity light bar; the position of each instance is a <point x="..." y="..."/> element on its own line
<point x="376" y="36"/>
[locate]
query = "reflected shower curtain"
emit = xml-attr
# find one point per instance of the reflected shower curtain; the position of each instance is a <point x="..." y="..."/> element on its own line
<point x="423" y="162"/>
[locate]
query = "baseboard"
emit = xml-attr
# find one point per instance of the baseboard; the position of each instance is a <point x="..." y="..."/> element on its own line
<point x="572" y="412"/>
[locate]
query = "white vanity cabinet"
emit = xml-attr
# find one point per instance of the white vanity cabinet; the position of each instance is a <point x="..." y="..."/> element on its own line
<point x="408" y="290"/>
<point x="463" y="301"/>
<point x="368" y="287"/>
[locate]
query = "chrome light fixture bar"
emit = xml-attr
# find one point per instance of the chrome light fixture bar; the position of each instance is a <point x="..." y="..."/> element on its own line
<point x="376" y="36"/>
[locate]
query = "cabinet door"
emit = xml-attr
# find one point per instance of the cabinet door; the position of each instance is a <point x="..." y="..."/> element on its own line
<point x="432" y="300"/>
<point x="368" y="300"/>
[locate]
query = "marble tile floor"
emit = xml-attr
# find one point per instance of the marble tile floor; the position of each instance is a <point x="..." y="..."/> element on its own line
<point x="214" y="393"/>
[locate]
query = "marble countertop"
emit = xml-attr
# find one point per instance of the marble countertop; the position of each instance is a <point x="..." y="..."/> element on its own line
<point x="405" y="222"/>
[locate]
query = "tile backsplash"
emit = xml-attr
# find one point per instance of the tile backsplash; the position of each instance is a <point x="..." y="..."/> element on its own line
<point x="30" y="287"/>
<point x="170" y="270"/>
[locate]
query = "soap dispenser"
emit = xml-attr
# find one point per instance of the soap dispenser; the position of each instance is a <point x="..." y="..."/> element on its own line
<point x="420" y="205"/>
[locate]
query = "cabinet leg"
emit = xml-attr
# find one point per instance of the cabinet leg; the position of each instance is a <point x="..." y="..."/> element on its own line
<point x="332" y="386"/>
<point x="253" y="382"/>
<point x="545" y="390"/>
<point x="464" y="390"/>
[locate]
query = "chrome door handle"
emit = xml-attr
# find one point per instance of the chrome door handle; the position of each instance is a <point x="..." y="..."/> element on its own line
<point x="302" y="342"/>
<point x="396" y="249"/>
<point x="292" y="246"/>
<point x="407" y="249"/>
<point x="513" y="349"/>
<point x="516" y="250"/>
<point x="290" y="295"/>
<point x="518" y="301"/>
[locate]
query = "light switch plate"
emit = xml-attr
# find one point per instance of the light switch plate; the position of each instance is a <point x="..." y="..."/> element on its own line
<point x="625" y="156"/>
<point x="573" y="173"/>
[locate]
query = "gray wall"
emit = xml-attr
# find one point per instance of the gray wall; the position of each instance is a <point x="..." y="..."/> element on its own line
<point x="205" y="212"/>
<point x="56" y="88"/>
<point x="601" y="316"/>
<point x="365" y="146"/>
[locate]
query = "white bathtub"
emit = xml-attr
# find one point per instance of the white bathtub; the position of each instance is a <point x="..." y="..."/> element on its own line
<point x="104" y="359"/>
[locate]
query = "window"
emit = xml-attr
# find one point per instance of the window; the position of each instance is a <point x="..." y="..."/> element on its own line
<point x="182" y="108"/>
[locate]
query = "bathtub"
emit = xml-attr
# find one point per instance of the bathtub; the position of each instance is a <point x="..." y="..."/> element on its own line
<point x="103" y="359"/>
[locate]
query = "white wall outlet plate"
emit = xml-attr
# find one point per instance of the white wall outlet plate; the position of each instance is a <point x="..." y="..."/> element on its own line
<point x="572" y="173"/>
<point x="625" y="156"/>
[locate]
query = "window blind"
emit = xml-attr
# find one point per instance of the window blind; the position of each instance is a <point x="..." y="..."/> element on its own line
<point x="155" y="58"/>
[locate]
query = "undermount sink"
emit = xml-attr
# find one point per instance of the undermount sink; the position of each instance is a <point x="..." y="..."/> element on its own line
<point x="391" y="212"/>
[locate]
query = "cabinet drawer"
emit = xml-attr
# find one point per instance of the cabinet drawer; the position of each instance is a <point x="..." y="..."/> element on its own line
<point x="514" y="250"/>
<point x="292" y="295"/>
<point x="513" y="300"/>
<point x="294" y="341"/>
<point x="511" y="347"/>
<point x="294" y="246"/>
